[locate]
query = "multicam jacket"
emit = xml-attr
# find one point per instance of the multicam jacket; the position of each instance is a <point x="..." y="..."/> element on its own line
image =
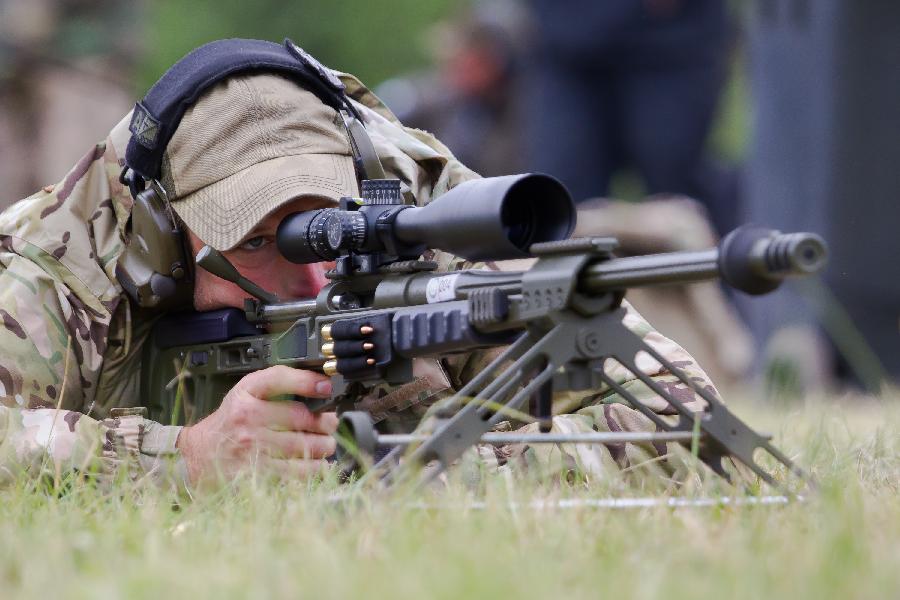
<point x="70" y="341"/>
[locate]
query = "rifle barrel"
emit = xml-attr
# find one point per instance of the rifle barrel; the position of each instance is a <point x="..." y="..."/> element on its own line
<point x="655" y="269"/>
<point x="751" y="259"/>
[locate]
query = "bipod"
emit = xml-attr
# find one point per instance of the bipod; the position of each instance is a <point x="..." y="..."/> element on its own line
<point x="568" y="351"/>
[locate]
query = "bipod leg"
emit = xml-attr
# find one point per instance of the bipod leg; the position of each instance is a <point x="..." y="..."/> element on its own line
<point x="486" y="382"/>
<point x="724" y="434"/>
<point x="542" y="404"/>
<point x="486" y="405"/>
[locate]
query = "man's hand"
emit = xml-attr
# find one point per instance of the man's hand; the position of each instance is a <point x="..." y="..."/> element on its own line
<point x="278" y="437"/>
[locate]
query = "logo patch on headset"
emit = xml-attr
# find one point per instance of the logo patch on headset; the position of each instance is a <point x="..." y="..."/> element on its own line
<point x="144" y="127"/>
<point x="325" y="74"/>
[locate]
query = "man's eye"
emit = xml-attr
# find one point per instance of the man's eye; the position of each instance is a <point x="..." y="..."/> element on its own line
<point x="254" y="243"/>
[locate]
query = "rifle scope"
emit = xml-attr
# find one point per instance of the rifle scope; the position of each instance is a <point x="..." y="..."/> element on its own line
<point x="495" y="218"/>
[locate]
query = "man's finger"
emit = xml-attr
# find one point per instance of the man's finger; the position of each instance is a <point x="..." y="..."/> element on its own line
<point x="290" y="444"/>
<point x="280" y="380"/>
<point x="296" y="416"/>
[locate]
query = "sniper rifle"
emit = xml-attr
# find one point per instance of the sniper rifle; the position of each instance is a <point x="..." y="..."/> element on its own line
<point x="560" y="320"/>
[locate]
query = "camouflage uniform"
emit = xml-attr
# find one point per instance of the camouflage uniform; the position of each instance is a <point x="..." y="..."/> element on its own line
<point x="71" y="340"/>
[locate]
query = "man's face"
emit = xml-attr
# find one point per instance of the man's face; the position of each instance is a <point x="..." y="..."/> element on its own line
<point x="257" y="258"/>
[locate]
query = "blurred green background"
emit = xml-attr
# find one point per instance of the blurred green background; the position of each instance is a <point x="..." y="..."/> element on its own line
<point x="373" y="40"/>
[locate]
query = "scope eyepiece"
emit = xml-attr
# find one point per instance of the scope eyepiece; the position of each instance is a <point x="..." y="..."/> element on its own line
<point x="320" y="235"/>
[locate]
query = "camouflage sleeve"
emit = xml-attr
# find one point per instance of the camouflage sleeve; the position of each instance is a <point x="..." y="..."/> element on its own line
<point x="49" y="362"/>
<point x="61" y="445"/>
<point x="55" y="310"/>
<point x="33" y="441"/>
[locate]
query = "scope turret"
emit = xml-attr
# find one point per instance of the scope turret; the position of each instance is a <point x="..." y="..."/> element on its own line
<point x="495" y="218"/>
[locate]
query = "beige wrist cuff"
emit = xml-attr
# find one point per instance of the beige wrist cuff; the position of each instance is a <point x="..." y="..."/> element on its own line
<point x="150" y="446"/>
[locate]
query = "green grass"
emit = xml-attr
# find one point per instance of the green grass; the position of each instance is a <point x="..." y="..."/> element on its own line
<point x="263" y="540"/>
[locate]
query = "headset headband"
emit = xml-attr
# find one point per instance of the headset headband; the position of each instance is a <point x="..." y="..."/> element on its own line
<point x="157" y="116"/>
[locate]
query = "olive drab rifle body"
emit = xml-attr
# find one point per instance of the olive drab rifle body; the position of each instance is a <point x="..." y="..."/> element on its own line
<point x="560" y="320"/>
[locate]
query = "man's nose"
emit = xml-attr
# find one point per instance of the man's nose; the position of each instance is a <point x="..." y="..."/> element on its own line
<point x="300" y="281"/>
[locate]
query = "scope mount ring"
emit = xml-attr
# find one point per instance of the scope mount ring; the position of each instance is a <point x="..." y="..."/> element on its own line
<point x="384" y="228"/>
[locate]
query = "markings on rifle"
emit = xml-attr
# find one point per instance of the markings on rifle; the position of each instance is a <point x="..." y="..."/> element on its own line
<point x="441" y="289"/>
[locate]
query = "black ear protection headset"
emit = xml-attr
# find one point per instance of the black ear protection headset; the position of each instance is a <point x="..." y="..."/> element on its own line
<point x="156" y="268"/>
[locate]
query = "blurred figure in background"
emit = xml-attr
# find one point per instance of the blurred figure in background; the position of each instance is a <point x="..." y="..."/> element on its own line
<point x="469" y="99"/>
<point x="629" y="84"/>
<point x="65" y="68"/>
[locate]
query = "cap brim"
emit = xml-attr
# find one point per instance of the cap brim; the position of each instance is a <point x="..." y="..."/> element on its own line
<point x="222" y="213"/>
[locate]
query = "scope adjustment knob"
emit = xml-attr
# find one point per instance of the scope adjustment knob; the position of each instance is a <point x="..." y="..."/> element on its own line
<point x="324" y="233"/>
<point x="357" y="227"/>
<point x="333" y="232"/>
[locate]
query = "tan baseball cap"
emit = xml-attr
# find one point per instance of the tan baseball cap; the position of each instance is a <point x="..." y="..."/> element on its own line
<point x="245" y="148"/>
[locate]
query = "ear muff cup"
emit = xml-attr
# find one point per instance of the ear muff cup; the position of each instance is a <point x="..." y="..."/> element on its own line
<point x="154" y="268"/>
